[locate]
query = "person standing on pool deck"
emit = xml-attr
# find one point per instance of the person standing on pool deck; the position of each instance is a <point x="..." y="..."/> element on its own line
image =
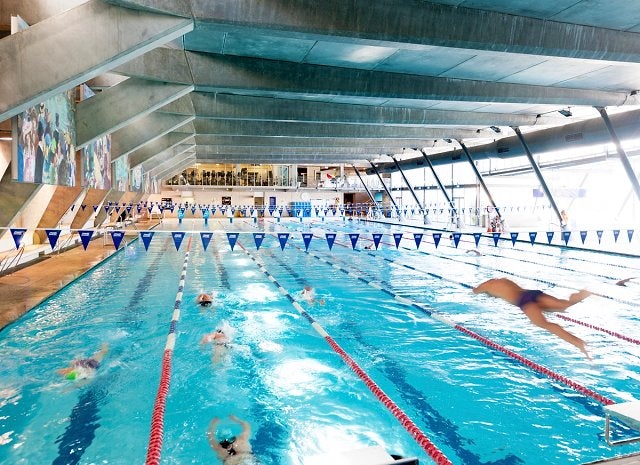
<point x="533" y="303"/>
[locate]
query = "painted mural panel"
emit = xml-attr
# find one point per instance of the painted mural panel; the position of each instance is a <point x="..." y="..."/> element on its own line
<point x="121" y="173"/>
<point x="96" y="157"/>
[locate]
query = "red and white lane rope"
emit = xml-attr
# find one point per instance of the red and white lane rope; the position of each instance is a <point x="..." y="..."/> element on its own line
<point x="425" y="443"/>
<point x="154" y="449"/>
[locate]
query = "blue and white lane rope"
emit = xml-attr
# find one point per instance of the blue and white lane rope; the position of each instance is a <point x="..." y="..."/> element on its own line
<point x="154" y="449"/>
<point x="415" y="432"/>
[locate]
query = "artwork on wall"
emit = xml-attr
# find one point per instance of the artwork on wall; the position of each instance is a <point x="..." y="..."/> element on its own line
<point x="96" y="157"/>
<point x="46" y="137"/>
<point x="121" y="173"/>
<point x="135" y="181"/>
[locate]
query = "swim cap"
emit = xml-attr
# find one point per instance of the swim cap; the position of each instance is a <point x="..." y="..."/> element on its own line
<point x="71" y="375"/>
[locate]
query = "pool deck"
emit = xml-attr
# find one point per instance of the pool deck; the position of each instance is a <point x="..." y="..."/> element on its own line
<point x="23" y="289"/>
<point x="626" y="460"/>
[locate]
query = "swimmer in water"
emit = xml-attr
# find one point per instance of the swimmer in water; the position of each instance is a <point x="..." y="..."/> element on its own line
<point x="204" y="300"/>
<point x="234" y="450"/>
<point x="220" y="341"/>
<point x="309" y="294"/>
<point x="534" y="303"/>
<point x="85" y="367"/>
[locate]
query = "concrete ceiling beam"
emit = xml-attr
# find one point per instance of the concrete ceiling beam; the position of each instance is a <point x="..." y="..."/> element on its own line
<point x="159" y="145"/>
<point x="101" y="37"/>
<point x="143" y="131"/>
<point x="327" y="130"/>
<point x="242" y="107"/>
<point x="308" y="142"/>
<point x="410" y="25"/>
<point x="166" y="155"/>
<point x="259" y="77"/>
<point x="119" y="105"/>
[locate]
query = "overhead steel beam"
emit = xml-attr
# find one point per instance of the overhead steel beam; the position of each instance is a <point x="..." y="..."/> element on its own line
<point x="479" y="177"/>
<point x="385" y="188"/>
<point x="406" y="181"/>
<point x="631" y="174"/>
<point x="117" y="106"/>
<point x="103" y="36"/>
<point x="143" y="131"/>
<point x="282" y="159"/>
<point x="373" y="199"/>
<point x="440" y="185"/>
<point x="539" y="175"/>
<point x="242" y="107"/>
<point x="330" y="130"/>
<point x="409" y="25"/>
<point x="255" y="76"/>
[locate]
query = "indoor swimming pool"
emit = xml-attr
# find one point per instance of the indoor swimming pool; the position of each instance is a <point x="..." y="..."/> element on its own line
<point x="396" y="311"/>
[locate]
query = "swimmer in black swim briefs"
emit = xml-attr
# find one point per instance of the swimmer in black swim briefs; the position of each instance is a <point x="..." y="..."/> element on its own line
<point x="533" y="303"/>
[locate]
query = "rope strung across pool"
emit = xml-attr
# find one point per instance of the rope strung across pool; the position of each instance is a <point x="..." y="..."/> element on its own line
<point x="459" y="283"/>
<point x="157" y="418"/>
<point x="415" y="432"/>
<point x="528" y="363"/>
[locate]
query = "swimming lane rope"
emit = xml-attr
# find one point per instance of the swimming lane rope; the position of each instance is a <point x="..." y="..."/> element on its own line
<point x="559" y="315"/>
<point x="486" y="341"/>
<point x="157" y="419"/>
<point x="415" y="432"/>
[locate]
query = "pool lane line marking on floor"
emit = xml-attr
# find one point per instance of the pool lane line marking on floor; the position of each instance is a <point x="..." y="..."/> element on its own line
<point x="425" y="443"/>
<point x="157" y="419"/>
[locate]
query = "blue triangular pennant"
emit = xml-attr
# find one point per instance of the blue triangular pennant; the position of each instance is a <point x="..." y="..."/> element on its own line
<point x="139" y="209"/>
<point x="283" y="238"/>
<point x="331" y="237"/>
<point x="476" y="237"/>
<point x="193" y="210"/>
<point x="514" y="237"/>
<point x="496" y="238"/>
<point x="85" y="237"/>
<point x="616" y="233"/>
<point x="146" y="237"/>
<point x="306" y="237"/>
<point x="599" y="233"/>
<point x="418" y="238"/>
<point x="456" y="238"/>
<point x="117" y="209"/>
<point x="532" y="237"/>
<point x="583" y="235"/>
<point x="436" y="238"/>
<point x="206" y="238"/>
<point x="53" y="235"/>
<point x="117" y="237"/>
<point x="397" y="237"/>
<point x="565" y="237"/>
<point x="354" y="239"/>
<point x="106" y="208"/>
<point x="549" y="236"/>
<point x="630" y="234"/>
<point x="258" y="238"/>
<point x="95" y="208"/>
<point x="232" y="238"/>
<point x="83" y="207"/>
<point x="149" y="209"/>
<point x="73" y="207"/>
<point x="376" y="239"/>
<point x="129" y="207"/>
<point x="177" y="238"/>
<point x="17" y="234"/>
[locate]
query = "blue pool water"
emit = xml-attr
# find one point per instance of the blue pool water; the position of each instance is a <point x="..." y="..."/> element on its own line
<point x="476" y="404"/>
